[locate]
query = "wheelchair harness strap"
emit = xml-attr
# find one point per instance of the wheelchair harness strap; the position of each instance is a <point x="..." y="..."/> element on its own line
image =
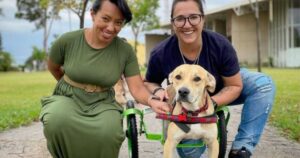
<point x="183" y="118"/>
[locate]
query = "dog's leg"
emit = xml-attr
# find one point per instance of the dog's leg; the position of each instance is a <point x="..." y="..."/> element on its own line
<point x="213" y="148"/>
<point x="174" y="137"/>
<point x="169" y="148"/>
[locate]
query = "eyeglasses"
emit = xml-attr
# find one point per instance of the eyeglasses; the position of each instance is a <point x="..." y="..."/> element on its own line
<point x="194" y="19"/>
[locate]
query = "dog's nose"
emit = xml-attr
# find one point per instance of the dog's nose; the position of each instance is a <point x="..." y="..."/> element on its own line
<point x="183" y="92"/>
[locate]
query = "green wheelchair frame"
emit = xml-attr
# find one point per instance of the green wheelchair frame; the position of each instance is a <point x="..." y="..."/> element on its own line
<point x="132" y="131"/>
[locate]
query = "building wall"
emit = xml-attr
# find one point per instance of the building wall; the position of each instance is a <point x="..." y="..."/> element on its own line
<point x="220" y="26"/>
<point x="151" y="41"/>
<point x="244" y="39"/>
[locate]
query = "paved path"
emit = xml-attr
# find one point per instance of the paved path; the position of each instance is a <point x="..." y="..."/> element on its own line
<point x="29" y="142"/>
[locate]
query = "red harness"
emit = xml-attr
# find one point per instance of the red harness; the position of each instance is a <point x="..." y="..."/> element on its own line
<point x="190" y="117"/>
<point x="182" y="118"/>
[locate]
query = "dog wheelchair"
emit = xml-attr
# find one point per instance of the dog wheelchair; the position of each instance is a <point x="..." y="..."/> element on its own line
<point x="132" y="131"/>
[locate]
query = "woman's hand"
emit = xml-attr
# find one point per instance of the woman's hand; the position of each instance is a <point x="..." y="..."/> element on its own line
<point x="158" y="105"/>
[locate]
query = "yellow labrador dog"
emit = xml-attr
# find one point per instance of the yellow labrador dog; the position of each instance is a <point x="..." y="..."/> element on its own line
<point x="120" y="91"/>
<point x="191" y="84"/>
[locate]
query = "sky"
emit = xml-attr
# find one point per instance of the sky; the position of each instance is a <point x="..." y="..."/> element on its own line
<point x="19" y="36"/>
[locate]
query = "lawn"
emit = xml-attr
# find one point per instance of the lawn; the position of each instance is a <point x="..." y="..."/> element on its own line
<point x="286" y="110"/>
<point x="20" y="95"/>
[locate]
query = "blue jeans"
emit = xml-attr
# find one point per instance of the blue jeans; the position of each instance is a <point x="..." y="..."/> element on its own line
<point x="257" y="96"/>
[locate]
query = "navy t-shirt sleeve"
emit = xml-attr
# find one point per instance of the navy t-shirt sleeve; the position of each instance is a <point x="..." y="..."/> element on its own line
<point x="230" y="65"/>
<point x="154" y="72"/>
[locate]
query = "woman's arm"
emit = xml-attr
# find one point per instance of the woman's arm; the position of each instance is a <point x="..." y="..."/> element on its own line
<point x="144" y="96"/>
<point x="55" y="69"/>
<point x="232" y="88"/>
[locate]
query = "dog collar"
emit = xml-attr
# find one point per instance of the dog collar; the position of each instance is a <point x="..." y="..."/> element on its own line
<point x="183" y="118"/>
<point x="195" y="113"/>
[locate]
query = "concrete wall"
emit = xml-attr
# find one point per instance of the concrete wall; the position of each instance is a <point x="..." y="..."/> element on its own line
<point x="151" y="41"/>
<point x="244" y="39"/>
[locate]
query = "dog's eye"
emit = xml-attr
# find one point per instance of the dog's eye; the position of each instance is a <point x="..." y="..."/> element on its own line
<point x="196" y="79"/>
<point x="178" y="77"/>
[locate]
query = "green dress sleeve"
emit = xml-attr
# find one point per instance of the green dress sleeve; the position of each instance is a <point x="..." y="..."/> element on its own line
<point x="57" y="51"/>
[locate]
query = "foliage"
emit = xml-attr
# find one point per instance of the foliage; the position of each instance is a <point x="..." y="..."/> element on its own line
<point x="143" y="17"/>
<point x="38" y="54"/>
<point x="78" y="7"/>
<point x="5" y="58"/>
<point x="39" y="12"/>
<point x="1" y="13"/>
<point x="37" y="58"/>
<point x="5" y="61"/>
<point x="1" y="48"/>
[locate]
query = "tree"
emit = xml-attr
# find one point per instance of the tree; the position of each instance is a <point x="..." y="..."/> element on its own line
<point x="38" y="57"/>
<point x="1" y="48"/>
<point x="39" y="12"/>
<point x="1" y="13"/>
<point x="144" y="17"/>
<point x="5" y="58"/>
<point x="255" y="9"/>
<point x="5" y="61"/>
<point x="79" y="8"/>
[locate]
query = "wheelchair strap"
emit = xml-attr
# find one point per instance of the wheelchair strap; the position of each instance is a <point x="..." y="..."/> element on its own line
<point x="184" y="127"/>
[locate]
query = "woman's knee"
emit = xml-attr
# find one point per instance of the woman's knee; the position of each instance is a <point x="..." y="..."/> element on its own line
<point x="255" y="82"/>
<point x="56" y="116"/>
<point x="55" y="122"/>
<point x="110" y="127"/>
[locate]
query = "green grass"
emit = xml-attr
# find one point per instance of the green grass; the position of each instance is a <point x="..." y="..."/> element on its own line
<point x="20" y="95"/>
<point x="286" y="110"/>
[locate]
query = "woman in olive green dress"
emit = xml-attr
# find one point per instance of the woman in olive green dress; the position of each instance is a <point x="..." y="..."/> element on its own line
<point x="82" y="119"/>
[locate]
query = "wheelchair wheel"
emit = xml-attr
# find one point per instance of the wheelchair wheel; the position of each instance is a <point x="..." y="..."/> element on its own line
<point x="222" y="134"/>
<point x="132" y="133"/>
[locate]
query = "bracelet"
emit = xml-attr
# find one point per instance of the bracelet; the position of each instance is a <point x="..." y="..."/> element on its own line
<point x="157" y="89"/>
<point x="152" y="97"/>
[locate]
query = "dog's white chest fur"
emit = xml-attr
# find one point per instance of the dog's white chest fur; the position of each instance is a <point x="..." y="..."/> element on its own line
<point x="198" y="131"/>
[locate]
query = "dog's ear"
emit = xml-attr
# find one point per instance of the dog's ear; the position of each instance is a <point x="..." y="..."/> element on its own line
<point x="170" y="78"/>
<point x="171" y="93"/>
<point x="211" y="82"/>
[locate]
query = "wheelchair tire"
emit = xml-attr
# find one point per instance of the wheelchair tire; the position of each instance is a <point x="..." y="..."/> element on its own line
<point x="132" y="133"/>
<point x="222" y="134"/>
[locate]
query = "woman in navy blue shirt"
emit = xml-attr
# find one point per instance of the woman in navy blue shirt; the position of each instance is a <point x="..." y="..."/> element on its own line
<point x="191" y="44"/>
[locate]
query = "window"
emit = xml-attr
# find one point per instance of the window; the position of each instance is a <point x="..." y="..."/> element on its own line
<point x="294" y="20"/>
<point x="297" y="36"/>
<point x="296" y="11"/>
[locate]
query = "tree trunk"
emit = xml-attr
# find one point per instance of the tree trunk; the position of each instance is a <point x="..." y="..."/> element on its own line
<point x="45" y="40"/>
<point x="135" y="42"/>
<point x="81" y="17"/>
<point x="258" y="37"/>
